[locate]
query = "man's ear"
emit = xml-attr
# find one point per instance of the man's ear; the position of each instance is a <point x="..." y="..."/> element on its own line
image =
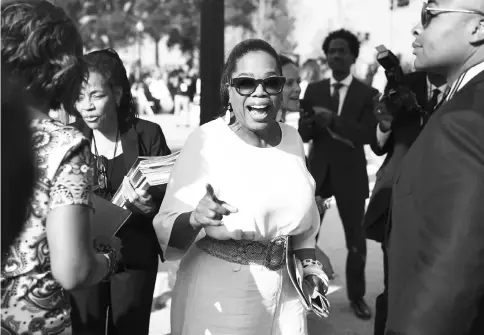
<point x="477" y="34"/>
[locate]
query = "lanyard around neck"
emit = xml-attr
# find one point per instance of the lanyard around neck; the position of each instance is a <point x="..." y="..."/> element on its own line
<point x="114" y="154"/>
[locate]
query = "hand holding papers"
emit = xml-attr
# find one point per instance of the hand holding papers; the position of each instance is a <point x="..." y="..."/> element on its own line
<point x="145" y="173"/>
<point x="137" y="200"/>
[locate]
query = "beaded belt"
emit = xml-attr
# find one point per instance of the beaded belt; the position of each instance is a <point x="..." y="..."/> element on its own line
<point x="272" y="255"/>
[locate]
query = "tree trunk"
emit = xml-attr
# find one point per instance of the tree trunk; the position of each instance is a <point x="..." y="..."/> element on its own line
<point x="157" y="52"/>
<point x="211" y="57"/>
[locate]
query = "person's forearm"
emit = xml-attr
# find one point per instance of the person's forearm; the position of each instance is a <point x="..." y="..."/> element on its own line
<point x="382" y="135"/>
<point x="303" y="254"/>
<point x="183" y="232"/>
<point x="350" y="129"/>
<point x="99" y="270"/>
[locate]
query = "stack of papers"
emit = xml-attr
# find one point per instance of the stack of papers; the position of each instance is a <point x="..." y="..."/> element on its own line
<point x="147" y="172"/>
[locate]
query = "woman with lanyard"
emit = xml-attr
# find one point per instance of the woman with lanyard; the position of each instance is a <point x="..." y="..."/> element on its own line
<point x="118" y="137"/>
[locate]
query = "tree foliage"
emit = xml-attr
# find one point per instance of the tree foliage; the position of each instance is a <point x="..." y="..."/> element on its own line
<point x="273" y="23"/>
<point x="114" y="23"/>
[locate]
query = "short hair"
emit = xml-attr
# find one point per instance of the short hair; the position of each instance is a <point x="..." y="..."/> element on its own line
<point x="43" y="49"/>
<point x="238" y="52"/>
<point x="286" y="60"/>
<point x="349" y="37"/>
<point x="109" y="65"/>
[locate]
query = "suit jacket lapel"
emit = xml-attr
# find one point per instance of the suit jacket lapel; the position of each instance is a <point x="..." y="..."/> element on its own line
<point x="129" y="141"/>
<point x="325" y="94"/>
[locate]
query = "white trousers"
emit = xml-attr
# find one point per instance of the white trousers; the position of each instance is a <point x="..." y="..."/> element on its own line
<point x="215" y="297"/>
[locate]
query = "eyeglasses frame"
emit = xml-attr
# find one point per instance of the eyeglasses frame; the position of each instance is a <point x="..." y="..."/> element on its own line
<point x="257" y="83"/>
<point x="426" y="10"/>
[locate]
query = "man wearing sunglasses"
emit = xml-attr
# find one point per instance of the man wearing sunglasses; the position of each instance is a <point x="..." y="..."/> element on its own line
<point x="436" y="248"/>
<point x="396" y="131"/>
<point x="343" y="122"/>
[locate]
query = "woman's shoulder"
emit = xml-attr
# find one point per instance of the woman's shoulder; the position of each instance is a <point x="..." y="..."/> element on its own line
<point x="209" y="129"/>
<point x="206" y="134"/>
<point x="146" y="126"/>
<point x="53" y="142"/>
<point x="289" y="131"/>
<point x="55" y="133"/>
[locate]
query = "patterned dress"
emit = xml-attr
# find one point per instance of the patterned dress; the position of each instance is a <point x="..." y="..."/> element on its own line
<point x="33" y="302"/>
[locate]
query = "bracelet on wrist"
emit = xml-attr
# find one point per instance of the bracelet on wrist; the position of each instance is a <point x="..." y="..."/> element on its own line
<point x="112" y="257"/>
<point x="312" y="262"/>
<point x="312" y="267"/>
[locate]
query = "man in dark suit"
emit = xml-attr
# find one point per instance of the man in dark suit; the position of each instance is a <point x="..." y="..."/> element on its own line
<point x="342" y="123"/>
<point x="436" y="248"/>
<point x="394" y="138"/>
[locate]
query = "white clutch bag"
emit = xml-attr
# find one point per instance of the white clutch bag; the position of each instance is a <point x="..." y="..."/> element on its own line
<point x="317" y="303"/>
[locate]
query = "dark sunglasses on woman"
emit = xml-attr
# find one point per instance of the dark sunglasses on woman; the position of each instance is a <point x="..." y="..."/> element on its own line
<point x="246" y="85"/>
<point x="428" y="13"/>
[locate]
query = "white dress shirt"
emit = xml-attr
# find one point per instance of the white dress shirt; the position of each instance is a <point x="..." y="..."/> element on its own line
<point x="382" y="137"/>
<point x="342" y="91"/>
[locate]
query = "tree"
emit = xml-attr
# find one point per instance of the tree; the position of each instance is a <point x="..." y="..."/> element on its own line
<point x="273" y="23"/>
<point x="113" y="23"/>
<point x="102" y="23"/>
<point x="180" y="20"/>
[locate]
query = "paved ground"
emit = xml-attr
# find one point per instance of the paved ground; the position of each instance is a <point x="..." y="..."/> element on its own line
<point x="341" y="321"/>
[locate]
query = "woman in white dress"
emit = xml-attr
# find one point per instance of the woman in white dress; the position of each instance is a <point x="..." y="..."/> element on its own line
<point x="236" y="191"/>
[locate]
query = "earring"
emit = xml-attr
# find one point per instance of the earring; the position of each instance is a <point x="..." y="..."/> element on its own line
<point x="229" y="114"/>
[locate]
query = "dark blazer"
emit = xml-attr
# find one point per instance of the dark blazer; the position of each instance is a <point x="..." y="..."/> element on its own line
<point x="436" y="245"/>
<point x="405" y="131"/>
<point x="142" y="138"/>
<point x="356" y="123"/>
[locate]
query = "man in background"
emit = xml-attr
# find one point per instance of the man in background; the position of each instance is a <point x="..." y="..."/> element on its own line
<point x="397" y="129"/>
<point x="342" y="123"/>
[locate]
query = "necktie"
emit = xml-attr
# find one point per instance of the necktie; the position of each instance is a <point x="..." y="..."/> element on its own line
<point x="432" y="103"/>
<point x="335" y="97"/>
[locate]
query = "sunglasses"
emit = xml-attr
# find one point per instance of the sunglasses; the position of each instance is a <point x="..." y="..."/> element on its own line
<point x="246" y="85"/>
<point x="428" y="13"/>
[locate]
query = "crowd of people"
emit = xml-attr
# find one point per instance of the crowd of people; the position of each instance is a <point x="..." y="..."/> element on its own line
<point x="243" y="193"/>
<point x="158" y="91"/>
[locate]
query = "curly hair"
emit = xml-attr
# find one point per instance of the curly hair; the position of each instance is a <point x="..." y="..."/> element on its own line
<point x="43" y="48"/>
<point x="109" y="65"/>
<point x="238" y="52"/>
<point x="348" y="36"/>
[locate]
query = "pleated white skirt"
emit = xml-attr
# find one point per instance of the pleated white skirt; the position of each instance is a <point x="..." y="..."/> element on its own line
<point x="215" y="297"/>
